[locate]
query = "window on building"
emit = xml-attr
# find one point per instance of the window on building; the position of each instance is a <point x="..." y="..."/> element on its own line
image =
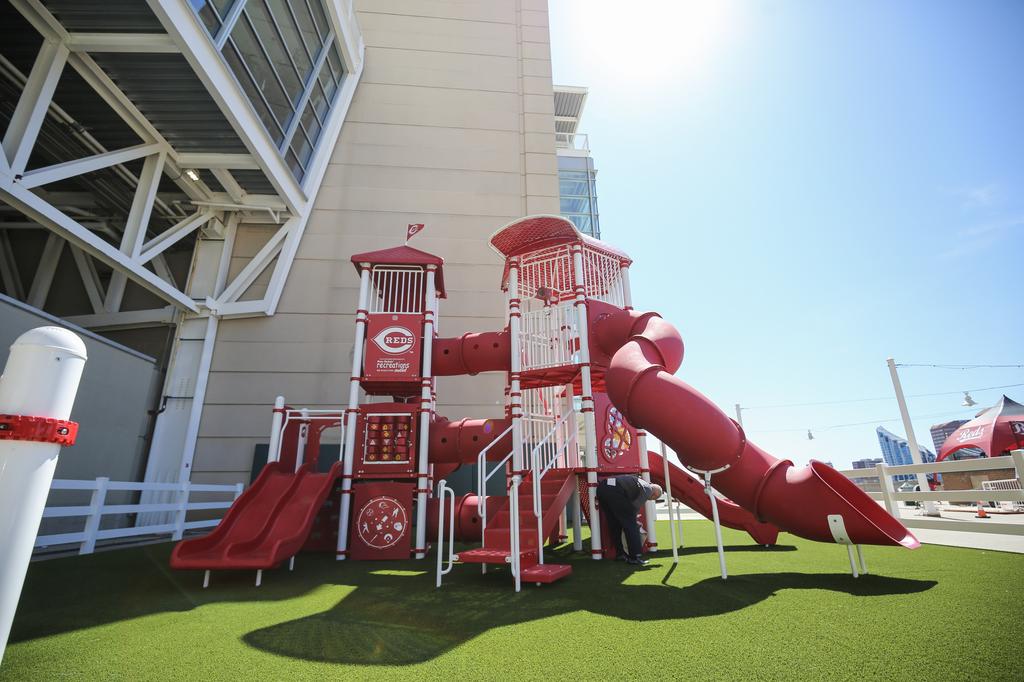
<point x="285" y="57"/>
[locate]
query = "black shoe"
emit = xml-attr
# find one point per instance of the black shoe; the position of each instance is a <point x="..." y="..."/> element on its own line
<point x="637" y="561"/>
<point x="621" y="557"/>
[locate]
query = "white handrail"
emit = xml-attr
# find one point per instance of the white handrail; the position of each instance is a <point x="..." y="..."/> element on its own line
<point x="538" y="474"/>
<point x="482" y="477"/>
<point x="442" y="491"/>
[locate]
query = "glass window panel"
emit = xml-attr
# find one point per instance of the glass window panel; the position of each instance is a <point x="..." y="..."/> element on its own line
<point x="582" y="222"/>
<point x="335" y="59"/>
<point x="261" y="21"/>
<point x="223" y="6"/>
<point x="249" y="49"/>
<point x="572" y="175"/>
<point x="310" y="123"/>
<point x="234" y="61"/>
<point x="293" y="163"/>
<point x="207" y="13"/>
<point x="293" y="38"/>
<point x="572" y="188"/>
<point x="329" y="85"/>
<point x="575" y="205"/>
<point x="307" y="25"/>
<point x="321" y="19"/>
<point x="301" y="147"/>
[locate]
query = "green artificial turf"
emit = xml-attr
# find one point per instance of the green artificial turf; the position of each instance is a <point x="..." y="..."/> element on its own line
<point x="791" y="612"/>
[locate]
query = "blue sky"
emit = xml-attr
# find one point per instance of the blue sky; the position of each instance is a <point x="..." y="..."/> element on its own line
<point x="809" y="188"/>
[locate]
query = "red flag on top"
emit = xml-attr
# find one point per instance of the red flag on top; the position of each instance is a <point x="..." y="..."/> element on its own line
<point x="413" y="230"/>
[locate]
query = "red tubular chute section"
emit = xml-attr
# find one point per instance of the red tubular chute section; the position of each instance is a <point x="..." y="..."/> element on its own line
<point x="471" y="354"/>
<point x="645" y="351"/>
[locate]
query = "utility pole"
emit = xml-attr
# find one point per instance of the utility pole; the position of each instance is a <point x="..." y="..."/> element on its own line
<point x="930" y="508"/>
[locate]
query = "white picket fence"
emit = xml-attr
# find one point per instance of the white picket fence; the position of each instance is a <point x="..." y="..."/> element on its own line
<point x="891" y="497"/>
<point x="98" y="508"/>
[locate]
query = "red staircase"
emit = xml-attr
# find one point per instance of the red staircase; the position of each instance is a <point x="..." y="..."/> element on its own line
<point x="555" y="489"/>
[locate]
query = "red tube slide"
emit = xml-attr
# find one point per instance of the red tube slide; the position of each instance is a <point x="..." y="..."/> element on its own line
<point x="815" y="502"/>
<point x="690" y="492"/>
<point x="471" y="354"/>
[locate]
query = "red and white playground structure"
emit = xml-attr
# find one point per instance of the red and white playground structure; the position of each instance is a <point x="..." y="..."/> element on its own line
<point x="587" y="377"/>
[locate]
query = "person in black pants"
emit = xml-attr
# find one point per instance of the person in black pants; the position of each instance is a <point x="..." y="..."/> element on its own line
<point x="621" y="498"/>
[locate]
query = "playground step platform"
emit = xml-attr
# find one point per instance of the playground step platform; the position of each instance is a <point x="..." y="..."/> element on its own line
<point x="483" y="555"/>
<point x="546" y="573"/>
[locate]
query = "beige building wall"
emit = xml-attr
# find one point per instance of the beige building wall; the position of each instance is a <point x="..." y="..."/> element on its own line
<point x="452" y="126"/>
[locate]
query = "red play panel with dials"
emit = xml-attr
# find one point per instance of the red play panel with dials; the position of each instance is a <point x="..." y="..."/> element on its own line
<point x="386" y="444"/>
<point x="381" y="521"/>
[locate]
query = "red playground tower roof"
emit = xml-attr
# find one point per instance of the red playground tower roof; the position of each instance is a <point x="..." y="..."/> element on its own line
<point x="403" y="255"/>
<point x="538" y="232"/>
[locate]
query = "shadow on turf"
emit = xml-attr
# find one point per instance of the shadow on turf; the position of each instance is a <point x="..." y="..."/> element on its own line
<point x="391" y="620"/>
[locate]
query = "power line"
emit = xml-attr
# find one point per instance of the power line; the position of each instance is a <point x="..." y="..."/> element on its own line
<point x="867" y="400"/>
<point x="904" y="364"/>
<point x="843" y="426"/>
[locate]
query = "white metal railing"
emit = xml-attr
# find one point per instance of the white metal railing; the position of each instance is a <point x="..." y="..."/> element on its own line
<point x="442" y="491"/>
<point x="1005" y="484"/>
<point x="481" y="481"/>
<point x="396" y="290"/>
<point x="891" y="498"/>
<point x="577" y="141"/>
<point x="552" y="450"/>
<point x="310" y="415"/>
<point x="98" y="508"/>
<point x="603" y="275"/>
<point x="550" y="337"/>
<point x="546" y="277"/>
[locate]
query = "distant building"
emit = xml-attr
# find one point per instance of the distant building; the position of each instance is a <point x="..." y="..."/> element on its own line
<point x="940" y="432"/>
<point x="577" y="188"/>
<point x="896" y="452"/>
<point x="868" y="484"/>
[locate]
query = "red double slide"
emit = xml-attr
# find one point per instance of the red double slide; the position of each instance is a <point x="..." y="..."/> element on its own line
<point x="816" y="502"/>
<point x="266" y="525"/>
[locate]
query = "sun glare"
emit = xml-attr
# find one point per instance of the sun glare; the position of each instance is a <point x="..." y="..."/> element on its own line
<point x="650" y="41"/>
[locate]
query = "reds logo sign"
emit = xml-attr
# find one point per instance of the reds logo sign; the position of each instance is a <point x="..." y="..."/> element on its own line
<point x="382" y="522"/>
<point x="395" y="340"/>
<point x="971" y="434"/>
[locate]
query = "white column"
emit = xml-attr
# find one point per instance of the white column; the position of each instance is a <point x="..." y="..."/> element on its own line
<point x="300" y="448"/>
<point x="40" y="380"/>
<point x="587" y="398"/>
<point x="515" y="400"/>
<point x="650" y="509"/>
<point x="351" y="414"/>
<point x="930" y="508"/>
<point x="276" y="422"/>
<point x="426" y="414"/>
<point x="627" y="291"/>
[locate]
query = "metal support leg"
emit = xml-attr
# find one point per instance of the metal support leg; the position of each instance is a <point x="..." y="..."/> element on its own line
<point x="853" y="563"/>
<point x="206" y="579"/>
<point x="259" y="577"/>
<point x="291" y="563"/>
<point x="860" y="557"/>
<point x="577" y="525"/>
<point x="718" y="526"/>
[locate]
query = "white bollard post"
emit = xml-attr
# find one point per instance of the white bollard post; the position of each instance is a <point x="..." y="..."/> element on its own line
<point x="40" y="380"/>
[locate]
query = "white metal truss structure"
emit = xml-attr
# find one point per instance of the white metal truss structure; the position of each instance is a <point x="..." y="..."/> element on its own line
<point x="135" y="252"/>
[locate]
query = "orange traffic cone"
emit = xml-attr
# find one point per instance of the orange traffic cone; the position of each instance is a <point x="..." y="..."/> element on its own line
<point x="982" y="514"/>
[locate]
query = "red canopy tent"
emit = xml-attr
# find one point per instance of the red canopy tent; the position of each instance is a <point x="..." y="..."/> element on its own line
<point x="994" y="431"/>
